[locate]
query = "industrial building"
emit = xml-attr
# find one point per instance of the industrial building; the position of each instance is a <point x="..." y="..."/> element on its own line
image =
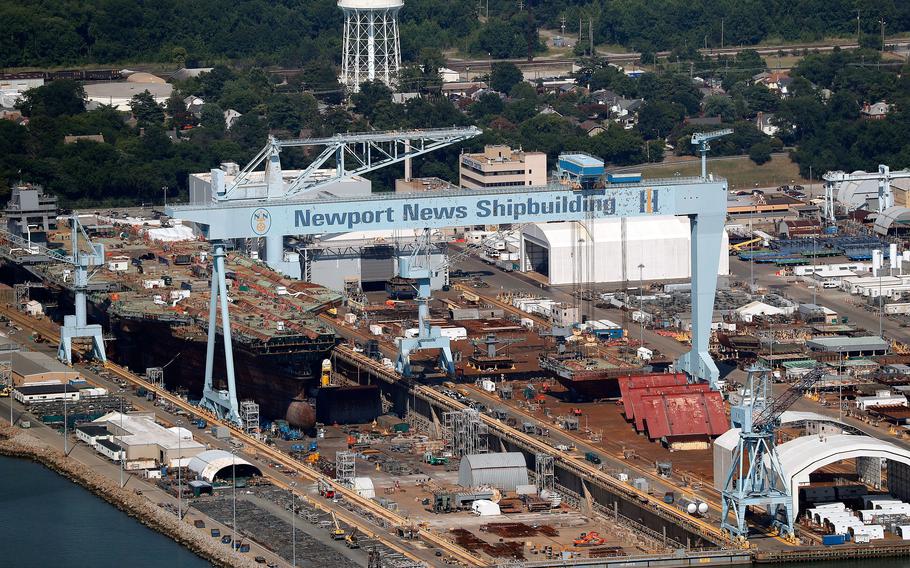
<point x="501" y="166"/>
<point x="143" y="439"/>
<point x="850" y="346"/>
<point x="504" y="471"/>
<point x="119" y="94"/>
<point x="30" y="394"/>
<point x="214" y="465"/>
<point x="367" y="257"/>
<point x="32" y="367"/>
<point x="567" y="253"/>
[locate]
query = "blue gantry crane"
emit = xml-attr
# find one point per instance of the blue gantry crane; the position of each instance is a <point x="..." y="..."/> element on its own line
<point x="287" y="212"/>
<point x="755" y="477"/>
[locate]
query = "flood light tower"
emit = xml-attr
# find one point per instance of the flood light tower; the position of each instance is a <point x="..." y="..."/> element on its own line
<point x="371" y="43"/>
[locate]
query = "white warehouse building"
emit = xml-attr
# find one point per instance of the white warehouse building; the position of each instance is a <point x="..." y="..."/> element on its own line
<point x="661" y="244"/>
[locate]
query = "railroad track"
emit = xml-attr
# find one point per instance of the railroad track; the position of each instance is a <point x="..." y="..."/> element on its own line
<point x="262" y="449"/>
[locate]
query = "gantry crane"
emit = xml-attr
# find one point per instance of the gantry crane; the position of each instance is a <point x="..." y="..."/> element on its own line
<point x="76" y="326"/>
<point x="884" y="177"/>
<point x="367" y="151"/>
<point x="703" y="141"/>
<point x="703" y="202"/>
<point x="755" y="476"/>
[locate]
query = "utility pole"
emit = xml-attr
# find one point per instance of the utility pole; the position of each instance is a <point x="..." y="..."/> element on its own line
<point x="591" y="35"/>
<point x="641" y="305"/>
<point x="882" y="20"/>
<point x="857" y="26"/>
<point x="721" y="33"/>
<point x="562" y="26"/>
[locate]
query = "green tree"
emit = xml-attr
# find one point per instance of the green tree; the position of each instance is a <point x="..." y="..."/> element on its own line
<point x="719" y="105"/>
<point x="57" y="98"/>
<point x="760" y="152"/>
<point x="146" y="110"/>
<point x="212" y="118"/>
<point x="504" y="76"/>
<point x="370" y="95"/>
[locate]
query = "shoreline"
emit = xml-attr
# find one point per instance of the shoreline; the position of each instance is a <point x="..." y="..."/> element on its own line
<point x="15" y="443"/>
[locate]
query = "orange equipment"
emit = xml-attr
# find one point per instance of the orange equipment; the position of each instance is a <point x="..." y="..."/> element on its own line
<point x="589" y="539"/>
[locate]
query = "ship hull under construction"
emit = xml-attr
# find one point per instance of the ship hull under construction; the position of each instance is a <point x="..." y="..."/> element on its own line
<point x="273" y="378"/>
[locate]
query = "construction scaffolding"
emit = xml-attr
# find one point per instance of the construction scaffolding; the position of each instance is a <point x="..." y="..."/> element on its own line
<point x="249" y="416"/>
<point x="155" y="376"/>
<point x="465" y="432"/>
<point x="420" y="423"/>
<point x="544" y="472"/>
<point x="344" y="468"/>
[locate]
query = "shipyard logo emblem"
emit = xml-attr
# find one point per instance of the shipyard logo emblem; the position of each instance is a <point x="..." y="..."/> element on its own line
<point x="261" y="221"/>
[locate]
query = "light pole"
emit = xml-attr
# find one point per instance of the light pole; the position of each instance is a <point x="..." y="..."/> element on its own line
<point x="641" y="303"/>
<point x="179" y="475"/>
<point x="65" y="420"/>
<point x="121" y="452"/>
<point x="234" y="496"/>
<point x="293" y="526"/>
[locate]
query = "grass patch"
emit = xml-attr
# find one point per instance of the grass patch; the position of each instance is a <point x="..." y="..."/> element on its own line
<point x="740" y="173"/>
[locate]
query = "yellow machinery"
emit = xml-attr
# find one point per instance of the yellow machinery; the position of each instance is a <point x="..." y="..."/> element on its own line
<point x="312" y="458"/>
<point x="351" y="540"/>
<point x="326" y="378"/>
<point x="335" y="530"/>
<point x="5" y="391"/>
<point x="745" y="244"/>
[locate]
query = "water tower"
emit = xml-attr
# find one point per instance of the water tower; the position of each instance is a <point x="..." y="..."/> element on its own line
<point x="371" y="45"/>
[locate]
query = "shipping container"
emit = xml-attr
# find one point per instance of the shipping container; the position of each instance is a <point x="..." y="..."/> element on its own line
<point x="833" y="539"/>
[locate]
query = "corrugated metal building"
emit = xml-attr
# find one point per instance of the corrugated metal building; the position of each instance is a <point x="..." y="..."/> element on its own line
<point x="504" y="471"/>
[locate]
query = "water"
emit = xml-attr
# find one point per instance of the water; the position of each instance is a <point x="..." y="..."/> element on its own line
<point x="50" y="521"/>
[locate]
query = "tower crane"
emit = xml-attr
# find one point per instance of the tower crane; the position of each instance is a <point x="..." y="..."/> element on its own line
<point x="703" y="141"/>
<point x="755" y="476"/>
<point x="884" y="177"/>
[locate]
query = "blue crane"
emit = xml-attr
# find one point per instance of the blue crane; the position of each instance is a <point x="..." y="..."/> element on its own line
<point x="703" y="141"/>
<point x="755" y="477"/>
<point x="701" y="200"/>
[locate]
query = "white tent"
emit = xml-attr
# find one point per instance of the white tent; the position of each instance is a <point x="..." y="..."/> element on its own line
<point x="485" y="508"/>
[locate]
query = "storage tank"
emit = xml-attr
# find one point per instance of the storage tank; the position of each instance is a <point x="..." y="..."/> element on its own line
<point x="702" y="508"/>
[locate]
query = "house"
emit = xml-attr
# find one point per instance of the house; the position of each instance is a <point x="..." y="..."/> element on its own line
<point x="776" y="81"/>
<point x="461" y="89"/>
<point x="230" y="117"/>
<point x="449" y="75"/>
<point x="72" y="139"/>
<point x="592" y="127"/>
<point x="605" y="97"/>
<point x="194" y="105"/>
<point x="549" y="110"/>
<point x="763" y="121"/>
<point x="877" y="111"/>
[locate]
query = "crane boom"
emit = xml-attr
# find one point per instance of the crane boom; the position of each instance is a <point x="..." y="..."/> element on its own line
<point x="770" y="414"/>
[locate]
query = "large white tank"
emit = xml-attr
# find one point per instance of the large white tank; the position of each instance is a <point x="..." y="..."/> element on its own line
<point x="372" y="49"/>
